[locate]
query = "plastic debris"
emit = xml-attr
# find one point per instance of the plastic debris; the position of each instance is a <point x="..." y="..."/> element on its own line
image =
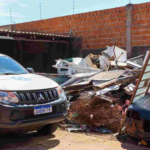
<point x="103" y="130"/>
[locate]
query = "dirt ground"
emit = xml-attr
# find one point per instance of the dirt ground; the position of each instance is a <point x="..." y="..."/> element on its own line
<point x="62" y="140"/>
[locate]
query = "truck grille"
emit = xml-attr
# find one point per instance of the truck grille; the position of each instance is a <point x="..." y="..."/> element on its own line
<point x="37" y="97"/>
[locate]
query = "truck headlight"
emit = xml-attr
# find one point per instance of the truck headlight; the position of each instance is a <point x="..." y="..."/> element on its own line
<point x="8" y="97"/>
<point x="61" y="92"/>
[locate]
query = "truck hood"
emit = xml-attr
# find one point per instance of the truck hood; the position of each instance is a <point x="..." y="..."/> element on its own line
<point x="25" y="82"/>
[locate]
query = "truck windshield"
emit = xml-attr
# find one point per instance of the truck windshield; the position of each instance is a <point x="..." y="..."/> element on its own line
<point x="9" y="66"/>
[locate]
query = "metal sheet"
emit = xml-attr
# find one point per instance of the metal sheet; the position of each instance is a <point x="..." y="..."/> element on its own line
<point x="141" y="84"/>
<point x="147" y="69"/>
<point x="138" y="97"/>
<point x="142" y="90"/>
<point x="146" y="76"/>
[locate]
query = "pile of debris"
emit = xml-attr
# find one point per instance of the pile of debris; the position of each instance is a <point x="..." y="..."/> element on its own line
<point x="100" y="87"/>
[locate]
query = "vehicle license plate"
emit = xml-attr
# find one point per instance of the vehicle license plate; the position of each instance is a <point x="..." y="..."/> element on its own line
<point x="42" y="109"/>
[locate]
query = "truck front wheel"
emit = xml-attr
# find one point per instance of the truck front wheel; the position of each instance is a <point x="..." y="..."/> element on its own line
<point x="48" y="129"/>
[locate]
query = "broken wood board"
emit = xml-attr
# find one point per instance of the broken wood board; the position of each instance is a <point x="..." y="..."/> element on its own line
<point x="107" y="75"/>
<point x="80" y="89"/>
<point x="78" y="86"/>
<point x="106" y="98"/>
<point x="115" y="82"/>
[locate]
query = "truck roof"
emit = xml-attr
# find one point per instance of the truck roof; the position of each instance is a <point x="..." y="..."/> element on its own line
<point x="2" y="54"/>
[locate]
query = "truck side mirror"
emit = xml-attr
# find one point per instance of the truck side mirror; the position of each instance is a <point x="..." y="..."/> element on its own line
<point x="30" y="70"/>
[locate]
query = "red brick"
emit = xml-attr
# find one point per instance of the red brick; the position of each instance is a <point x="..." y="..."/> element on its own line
<point x="135" y="11"/>
<point x="87" y="14"/>
<point x="134" y="17"/>
<point x="146" y="42"/>
<point x="136" y="6"/>
<point x="141" y="11"/>
<point x="144" y="5"/>
<point x="145" y="32"/>
<point x="98" y="12"/>
<point x="91" y="13"/>
<point x="121" y="9"/>
<point x="123" y="13"/>
<point x="105" y="11"/>
<point x="146" y="10"/>
<point x="113" y="10"/>
<point x="139" y="17"/>
<point x="117" y="9"/>
<point x="147" y="15"/>
<point x="81" y="15"/>
<point x="95" y="13"/>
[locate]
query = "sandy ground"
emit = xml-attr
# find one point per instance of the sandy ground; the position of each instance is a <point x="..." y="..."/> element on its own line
<point x="62" y="140"/>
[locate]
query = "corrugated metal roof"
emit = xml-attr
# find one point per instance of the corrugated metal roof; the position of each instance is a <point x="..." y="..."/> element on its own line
<point x="32" y="33"/>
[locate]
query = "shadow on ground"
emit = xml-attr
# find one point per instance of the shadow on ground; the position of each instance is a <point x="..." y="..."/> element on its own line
<point x="130" y="143"/>
<point x="128" y="146"/>
<point x="27" y="141"/>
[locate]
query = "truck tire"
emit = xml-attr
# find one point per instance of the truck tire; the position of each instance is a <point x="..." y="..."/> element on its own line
<point x="48" y="129"/>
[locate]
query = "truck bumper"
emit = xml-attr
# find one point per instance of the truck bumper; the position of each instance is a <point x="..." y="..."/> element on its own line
<point x="27" y="121"/>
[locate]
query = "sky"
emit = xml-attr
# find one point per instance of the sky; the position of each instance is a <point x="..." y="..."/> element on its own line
<point x="29" y="10"/>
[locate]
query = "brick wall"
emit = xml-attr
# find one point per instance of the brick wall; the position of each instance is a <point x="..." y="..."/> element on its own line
<point x="140" y="29"/>
<point x="100" y="28"/>
<point x="97" y="28"/>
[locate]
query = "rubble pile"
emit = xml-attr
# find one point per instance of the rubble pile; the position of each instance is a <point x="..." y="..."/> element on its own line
<point x="100" y="86"/>
<point x="96" y="112"/>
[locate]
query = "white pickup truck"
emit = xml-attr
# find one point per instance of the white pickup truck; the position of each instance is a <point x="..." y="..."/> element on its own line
<point x="28" y="101"/>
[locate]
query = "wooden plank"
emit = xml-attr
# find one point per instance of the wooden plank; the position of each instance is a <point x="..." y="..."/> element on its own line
<point x="115" y="82"/>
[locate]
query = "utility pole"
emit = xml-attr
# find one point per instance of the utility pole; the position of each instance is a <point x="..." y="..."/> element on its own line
<point x="73" y="6"/>
<point x="14" y="25"/>
<point x="40" y="11"/>
<point x="11" y="16"/>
